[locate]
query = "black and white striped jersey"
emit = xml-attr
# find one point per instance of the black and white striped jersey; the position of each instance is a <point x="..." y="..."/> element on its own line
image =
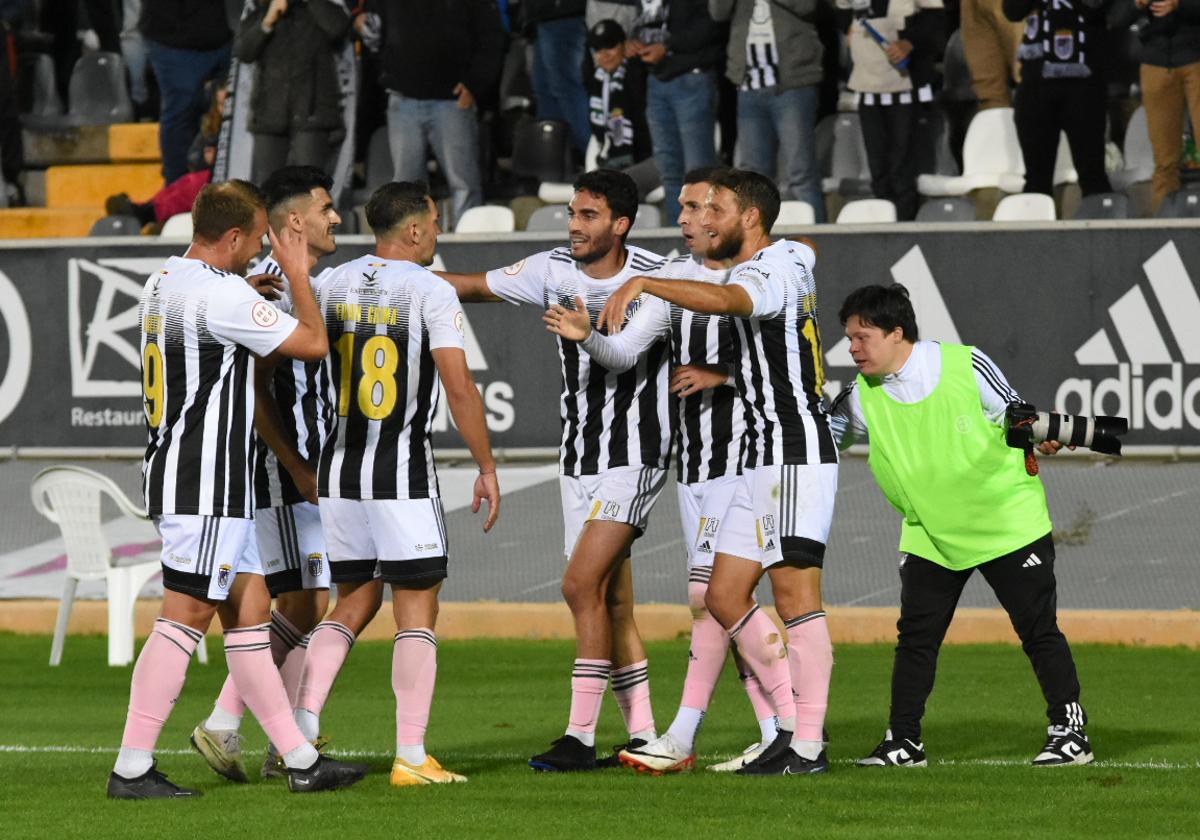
<point x="762" y="55"/>
<point x="708" y="425"/>
<point x="199" y="327"/>
<point x="384" y="317"/>
<point x="913" y="383"/>
<point x="781" y="375"/>
<point x="301" y="391"/>
<point x="609" y="419"/>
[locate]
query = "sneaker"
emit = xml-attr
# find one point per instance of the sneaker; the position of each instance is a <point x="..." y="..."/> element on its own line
<point x="663" y="755"/>
<point x="739" y="761"/>
<point x="428" y="773"/>
<point x="781" y="744"/>
<point x="273" y="766"/>
<point x="566" y="754"/>
<point x="222" y="749"/>
<point x="786" y="763"/>
<point x="324" y="774"/>
<point x="614" y="760"/>
<point x="1065" y="745"/>
<point x="895" y="752"/>
<point x="149" y="785"/>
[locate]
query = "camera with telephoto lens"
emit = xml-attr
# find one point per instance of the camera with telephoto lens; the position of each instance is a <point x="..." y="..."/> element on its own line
<point x="1027" y="426"/>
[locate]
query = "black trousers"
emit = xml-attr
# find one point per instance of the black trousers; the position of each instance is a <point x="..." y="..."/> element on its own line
<point x="1045" y="107"/>
<point x="1024" y="583"/>
<point x="889" y="133"/>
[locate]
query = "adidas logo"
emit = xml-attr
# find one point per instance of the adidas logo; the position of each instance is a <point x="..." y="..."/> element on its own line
<point x="1166" y="338"/>
<point x="1031" y="561"/>
<point x="705" y="547"/>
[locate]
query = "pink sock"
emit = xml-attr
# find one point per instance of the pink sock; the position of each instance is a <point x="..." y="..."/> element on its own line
<point x="414" y="671"/>
<point x="706" y="657"/>
<point x="762" y="649"/>
<point x="158" y="679"/>
<point x="589" y="680"/>
<point x="248" y="654"/>
<point x="292" y="668"/>
<point x="631" y="686"/>
<point x="328" y="646"/>
<point x="810" y="657"/>
<point x="764" y="706"/>
<point x="284" y="639"/>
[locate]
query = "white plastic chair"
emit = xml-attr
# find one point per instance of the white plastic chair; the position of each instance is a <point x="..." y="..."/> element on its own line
<point x="848" y="160"/>
<point x="71" y="498"/>
<point x="1139" y="154"/>
<point x="991" y="150"/>
<point x="793" y="213"/>
<point x="551" y="217"/>
<point x="867" y="211"/>
<point x="487" y="218"/>
<point x="1025" y="207"/>
<point x="648" y="216"/>
<point x="179" y="225"/>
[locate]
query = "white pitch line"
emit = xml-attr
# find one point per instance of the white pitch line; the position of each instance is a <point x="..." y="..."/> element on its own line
<point x="941" y="762"/>
<point x="1148" y="503"/>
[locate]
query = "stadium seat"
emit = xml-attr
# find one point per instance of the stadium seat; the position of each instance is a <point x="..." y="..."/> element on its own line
<point x="648" y="216"/>
<point x="990" y="152"/>
<point x="71" y="498"/>
<point x="1103" y="206"/>
<point x="116" y="226"/>
<point x="487" y="218"/>
<point x="379" y="167"/>
<point x="956" y="74"/>
<point x="949" y="209"/>
<point x="178" y="226"/>
<point x="656" y="195"/>
<point x="542" y="150"/>
<point x="793" y="213"/>
<point x="848" y="173"/>
<point x="1184" y="204"/>
<point x="591" y="158"/>
<point x="1025" y="207"/>
<point x="44" y="105"/>
<point x="867" y="211"/>
<point x="98" y="94"/>
<point x="551" y="217"/>
<point x="1139" y="155"/>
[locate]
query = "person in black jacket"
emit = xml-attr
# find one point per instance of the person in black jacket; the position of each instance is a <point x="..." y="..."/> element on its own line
<point x="1062" y="89"/>
<point x="559" y="35"/>
<point x="617" y="99"/>
<point x="685" y="49"/>
<point x="437" y="60"/>
<point x="188" y="45"/>
<point x="296" y="102"/>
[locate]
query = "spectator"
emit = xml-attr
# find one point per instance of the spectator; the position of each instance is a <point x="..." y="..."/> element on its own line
<point x="1170" y="81"/>
<point x="624" y="12"/>
<point x="133" y="50"/>
<point x="12" y="150"/>
<point x="617" y="99"/>
<point x="684" y="47"/>
<point x="990" y="44"/>
<point x="1062" y="89"/>
<point x="559" y="33"/>
<point x="188" y="45"/>
<point x="774" y="59"/>
<point x="893" y="81"/>
<point x="296" y="104"/>
<point x="61" y="18"/>
<point x="436" y="60"/>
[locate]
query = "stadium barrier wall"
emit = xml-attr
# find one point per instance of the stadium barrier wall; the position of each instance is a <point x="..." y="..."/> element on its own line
<point x="1095" y="318"/>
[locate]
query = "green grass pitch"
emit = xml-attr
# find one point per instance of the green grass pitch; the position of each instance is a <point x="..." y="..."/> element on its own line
<point x="500" y="701"/>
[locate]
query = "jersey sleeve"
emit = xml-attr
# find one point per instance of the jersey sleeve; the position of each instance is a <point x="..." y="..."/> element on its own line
<point x="522" y="282"/>
<point x="766" y="293"/>
<point x="620" y="352"/>
<point x="239" y="315"/>
<point x="444" y="319"/>
<point x="846" y="418"/>
<point x="995" y="394"/>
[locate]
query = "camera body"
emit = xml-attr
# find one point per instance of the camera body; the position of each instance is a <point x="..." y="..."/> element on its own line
<point x="1027" y="426"/>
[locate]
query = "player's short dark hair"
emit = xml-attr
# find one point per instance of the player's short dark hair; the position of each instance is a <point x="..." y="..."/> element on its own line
<point x="752" y="190"/>
<point x="617" y="188"/>
<point x="885" y="307"/>
<point x="289" y="182"/>
<point x="222" y="207"/>
<point x="395" y="203"/>
<point x="703" y="174"/>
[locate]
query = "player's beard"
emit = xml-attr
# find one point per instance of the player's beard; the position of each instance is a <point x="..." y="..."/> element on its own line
<point x="599" y="248"/>
<point x="726" y="245"/>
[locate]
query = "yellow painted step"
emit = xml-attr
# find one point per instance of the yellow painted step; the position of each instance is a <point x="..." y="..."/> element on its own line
<point x="88" y="185"/>
<point x="47" y="223"/>
<point x="129" y="142"/>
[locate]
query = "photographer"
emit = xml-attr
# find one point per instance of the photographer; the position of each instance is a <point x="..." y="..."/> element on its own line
<point x="935" y="414"/>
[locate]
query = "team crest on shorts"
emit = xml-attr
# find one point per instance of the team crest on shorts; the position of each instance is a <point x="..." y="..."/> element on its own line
<point x="314" y="565"/>
<point x="224" y="576"/>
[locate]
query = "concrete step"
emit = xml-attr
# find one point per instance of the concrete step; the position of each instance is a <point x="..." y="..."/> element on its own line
<point x="89" y="185"/>
<point x="118" y="143"/>
<point x="46" y="222"/>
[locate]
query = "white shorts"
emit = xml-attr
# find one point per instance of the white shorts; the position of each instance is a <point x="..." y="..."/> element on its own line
<point x="702" y="509"/>
<point x="781" y="513"/>
<point x="621" y="494"/>
<point x="291" y="545"/>
<point x="201" y="555"/>
<point x="402" y="541"/>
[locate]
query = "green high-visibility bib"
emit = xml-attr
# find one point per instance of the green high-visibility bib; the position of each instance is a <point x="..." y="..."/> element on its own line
<point x="964" y="493"/>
